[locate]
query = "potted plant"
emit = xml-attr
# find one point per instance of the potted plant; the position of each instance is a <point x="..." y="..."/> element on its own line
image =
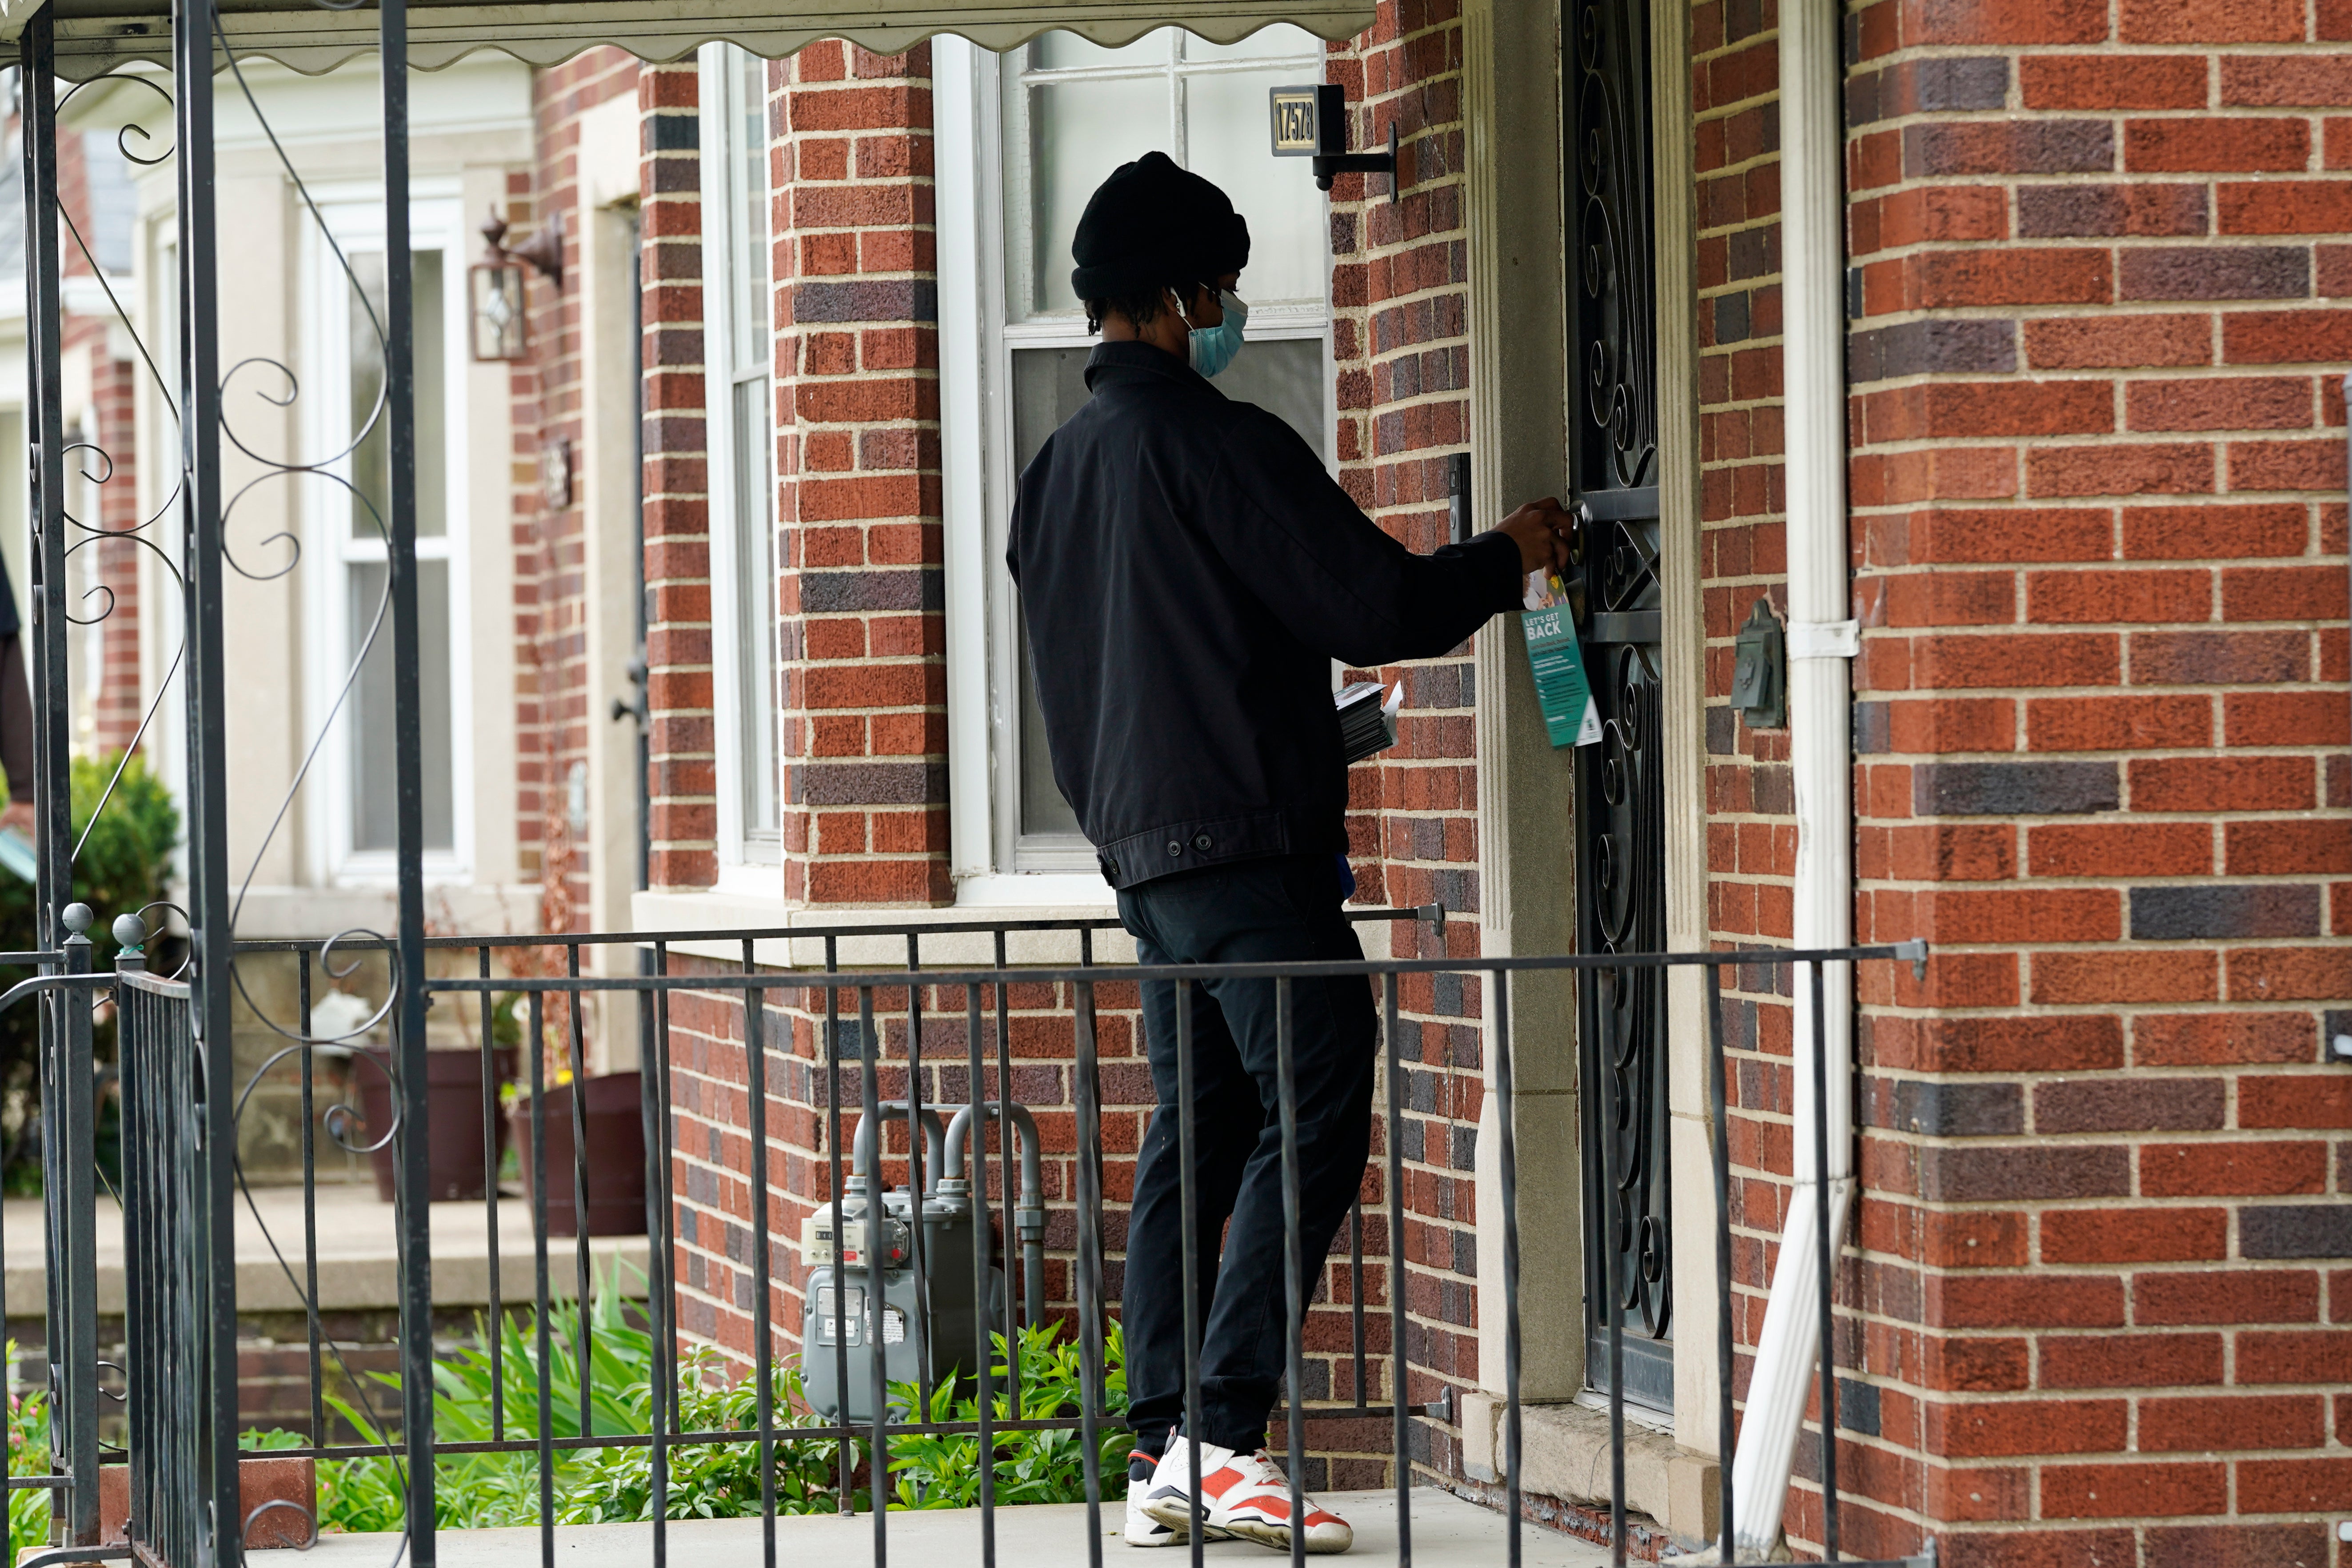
<point x="612" y="1110"/>
<point x="458" y="1163"/>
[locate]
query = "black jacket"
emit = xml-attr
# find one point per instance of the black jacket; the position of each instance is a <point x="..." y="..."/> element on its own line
<point x="1188" y="572"/>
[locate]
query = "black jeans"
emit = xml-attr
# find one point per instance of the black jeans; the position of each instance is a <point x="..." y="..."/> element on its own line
<point x="1251" y="912"/>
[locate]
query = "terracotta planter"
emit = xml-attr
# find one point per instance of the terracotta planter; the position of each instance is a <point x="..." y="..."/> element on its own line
<point x="616" y="1155"/>
<point x="459" y="1167"/>
<point x="291" y="1487"/>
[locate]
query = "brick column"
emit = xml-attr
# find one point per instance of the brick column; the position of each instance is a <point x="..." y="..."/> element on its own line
<point x="865" y="707"/>
<point x="676" y="486"/>
<point x="2098" y="475"/>
<point x="1400" y="338"/>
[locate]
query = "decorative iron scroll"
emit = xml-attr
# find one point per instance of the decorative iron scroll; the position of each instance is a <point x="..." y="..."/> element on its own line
<point x="1611" y="266"/>
<point x="1622" y="1017"/>
<point x="1621" y="797"/>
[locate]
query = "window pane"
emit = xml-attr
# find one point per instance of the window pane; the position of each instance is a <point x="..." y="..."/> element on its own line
<point x="1284" y="377"/>
<point x="113" y="201"/>
<point x="1067" y="51"/>
<point x="748" y="168"/>
<point x="1078" y="132"/>
<point x="432" y="396"/>
<point x="1043" y="809"/>
<point x="1267" y="43"/>
<point x="371" y="461"/>
<point x="755" y="618"/>
<point x="1049" y="386"/>
<point x="375" y="822"/>
<point x="1224" y="128"/>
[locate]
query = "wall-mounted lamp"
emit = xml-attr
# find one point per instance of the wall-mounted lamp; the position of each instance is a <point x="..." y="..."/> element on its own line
<point x="495" y="286"/>
<point x="1312" y="122"/>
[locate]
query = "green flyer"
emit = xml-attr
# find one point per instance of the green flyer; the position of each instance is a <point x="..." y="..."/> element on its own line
<point x="1571" y="715"/>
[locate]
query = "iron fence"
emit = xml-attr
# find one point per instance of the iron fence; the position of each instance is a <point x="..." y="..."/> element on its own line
<point x="165" y="1306"/>
<point x="177" y="1270"/>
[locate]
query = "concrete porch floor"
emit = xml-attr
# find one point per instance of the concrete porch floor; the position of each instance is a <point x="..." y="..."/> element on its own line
<point x="1447" y="1533"/>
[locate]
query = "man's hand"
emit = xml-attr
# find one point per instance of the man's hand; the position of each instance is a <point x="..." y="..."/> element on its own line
<point x="1541" y="529"/>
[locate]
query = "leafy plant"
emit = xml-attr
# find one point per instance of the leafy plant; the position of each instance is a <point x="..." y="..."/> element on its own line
<point x="706" y="1480"/>
<point x="28" y="1455"/>
<point x="714" y="1480"/>
<point x="125" y="864"/>
<point x="931" y="1471"/>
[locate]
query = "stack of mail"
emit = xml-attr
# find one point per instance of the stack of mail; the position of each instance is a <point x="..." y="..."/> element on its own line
<point x="1367" y="723"/>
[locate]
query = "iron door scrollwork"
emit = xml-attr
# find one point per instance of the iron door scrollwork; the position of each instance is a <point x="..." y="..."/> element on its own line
<point x="1619" y="792"/>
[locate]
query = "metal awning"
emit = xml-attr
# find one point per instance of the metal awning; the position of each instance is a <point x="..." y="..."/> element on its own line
<point x="94" y="37"/>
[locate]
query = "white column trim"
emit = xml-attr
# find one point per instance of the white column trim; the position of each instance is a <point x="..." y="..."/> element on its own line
<point x="1527" y="867"/>
<point x="1683" y="710"/>
<point x="1812" y="187"/>
<point x="956" y="143"/>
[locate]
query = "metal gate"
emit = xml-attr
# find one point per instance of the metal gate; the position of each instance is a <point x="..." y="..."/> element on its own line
<point x="165" y="1310"/>
<point x="1619" y="794"/>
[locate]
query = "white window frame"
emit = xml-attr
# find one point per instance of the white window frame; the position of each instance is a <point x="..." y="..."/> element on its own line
<point x="355" y="216"/>
<point x="749" y="857"/>
<point x="976" y="101"/>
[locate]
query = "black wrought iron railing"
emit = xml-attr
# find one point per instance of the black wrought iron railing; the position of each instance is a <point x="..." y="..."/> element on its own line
<point x="873" y="1356"/>
<point x="167" y="1312"/>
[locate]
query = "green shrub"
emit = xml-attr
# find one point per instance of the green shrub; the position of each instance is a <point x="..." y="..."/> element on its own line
<point x="706" y="1480"/>
<point x="125" y="864"/>
<point x="28" y="1455"/>
<point x="125" y="861"/>
<point x="930" y="1471"/>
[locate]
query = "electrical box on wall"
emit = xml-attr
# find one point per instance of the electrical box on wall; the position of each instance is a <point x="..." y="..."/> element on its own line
<point x="1759" y="672"/>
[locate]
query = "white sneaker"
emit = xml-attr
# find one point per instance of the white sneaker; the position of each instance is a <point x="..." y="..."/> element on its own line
<point x="1143" y="1530"/>
<point x="1241" y="1494"/>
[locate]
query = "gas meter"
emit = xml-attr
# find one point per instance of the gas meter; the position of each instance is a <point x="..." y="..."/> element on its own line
<point x="866" y="1246"/>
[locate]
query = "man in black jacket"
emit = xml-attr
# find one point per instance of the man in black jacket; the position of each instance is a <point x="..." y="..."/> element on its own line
<point x="1188" y="574"/>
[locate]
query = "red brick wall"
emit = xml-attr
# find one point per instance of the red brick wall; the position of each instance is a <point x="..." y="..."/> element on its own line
<point x="1400" y="338"/>
<point x="715" y="1195"/>
<point x="103" y="575"/>
<point x="865" y="720"/>
<point x="683" y="783"/>
<point x="2098" y="482"/>
<point x="858" y="599"/>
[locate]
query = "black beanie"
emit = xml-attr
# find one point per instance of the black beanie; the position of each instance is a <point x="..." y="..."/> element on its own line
<point x="1152" y="224"/>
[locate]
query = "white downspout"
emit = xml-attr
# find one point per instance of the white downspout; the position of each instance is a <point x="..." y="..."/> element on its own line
<point x="1821" y="638"/>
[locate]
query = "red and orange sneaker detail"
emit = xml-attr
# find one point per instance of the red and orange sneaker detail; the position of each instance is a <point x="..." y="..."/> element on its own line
<point x="1245" y="1495"/>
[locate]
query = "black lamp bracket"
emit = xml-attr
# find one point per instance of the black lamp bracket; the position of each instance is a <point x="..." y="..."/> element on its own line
<point x="1328" y="165"/>
<point x="542" y="252"/>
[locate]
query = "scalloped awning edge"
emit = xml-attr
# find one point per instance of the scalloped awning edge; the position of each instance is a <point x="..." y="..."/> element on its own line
<point x="94" y="37"/>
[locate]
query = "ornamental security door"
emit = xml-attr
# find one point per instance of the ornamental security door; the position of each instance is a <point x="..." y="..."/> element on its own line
<point x="1619" y="798"/>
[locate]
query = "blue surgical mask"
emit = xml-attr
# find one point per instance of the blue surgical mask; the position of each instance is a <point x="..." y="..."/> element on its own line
<point x="1213" y="348"/>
